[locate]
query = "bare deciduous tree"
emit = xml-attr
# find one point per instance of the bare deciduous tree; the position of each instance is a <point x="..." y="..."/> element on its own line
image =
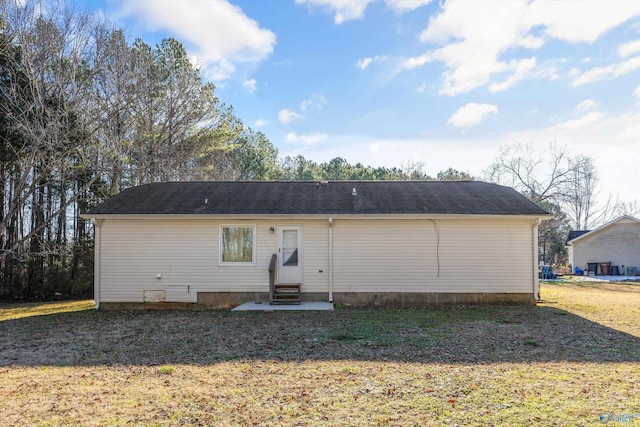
<point x="581" y="199"/>
<point x="541" y="175"/>
<point x="83" y="115"/>
<point x="628" y="208"/>
<point x="551" y="175"/>
<point x="42" y="93"/>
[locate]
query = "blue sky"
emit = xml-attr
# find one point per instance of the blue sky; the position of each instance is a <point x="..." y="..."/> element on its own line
<point x="447" y="83"/>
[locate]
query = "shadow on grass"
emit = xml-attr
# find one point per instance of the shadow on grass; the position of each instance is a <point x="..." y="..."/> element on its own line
<point x="476" y="335"/>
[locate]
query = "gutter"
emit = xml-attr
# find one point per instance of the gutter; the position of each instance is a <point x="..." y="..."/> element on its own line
<point x="97" y="224"/>
<point x="409" y="216"/>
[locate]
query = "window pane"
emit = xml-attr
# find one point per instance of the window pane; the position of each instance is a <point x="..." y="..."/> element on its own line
<point x="290" y="247"/>
<point x="237" y="244"/>
<point x="290" y="238"/>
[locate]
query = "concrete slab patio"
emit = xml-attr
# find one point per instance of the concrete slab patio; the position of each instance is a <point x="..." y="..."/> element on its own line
<point x="303" y="306"/>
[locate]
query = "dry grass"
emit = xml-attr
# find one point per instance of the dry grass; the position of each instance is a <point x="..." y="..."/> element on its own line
<point x="18" y="311"/>
<point x="562" y="363"/>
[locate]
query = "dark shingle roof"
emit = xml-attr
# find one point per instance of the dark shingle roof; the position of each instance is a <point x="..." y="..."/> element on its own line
<point x="573" y="234"/>
<point x="373" y="197"/>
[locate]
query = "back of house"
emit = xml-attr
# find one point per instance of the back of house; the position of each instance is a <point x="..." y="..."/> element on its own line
<point x="398" y="243"/>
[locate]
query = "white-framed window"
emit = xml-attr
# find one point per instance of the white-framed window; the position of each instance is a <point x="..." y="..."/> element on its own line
<point x="237" y="244"/>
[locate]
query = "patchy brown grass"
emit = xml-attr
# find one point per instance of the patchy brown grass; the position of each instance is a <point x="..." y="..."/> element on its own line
<point x="563" y="362"/>
<point x="18" y="311"/>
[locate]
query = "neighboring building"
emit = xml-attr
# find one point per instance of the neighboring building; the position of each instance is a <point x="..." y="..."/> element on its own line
<point x="405" y="243"/>
<point x="572" y="235"/>
<point x="617" y="242"/>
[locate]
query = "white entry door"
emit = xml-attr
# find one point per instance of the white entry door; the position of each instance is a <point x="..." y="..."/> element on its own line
<point x="289" y="254"/>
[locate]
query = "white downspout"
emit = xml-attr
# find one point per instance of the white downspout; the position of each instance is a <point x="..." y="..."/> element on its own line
<point x="536" y="282"/>
<point x="96" y="260"/>
<point x="330" y="259"/>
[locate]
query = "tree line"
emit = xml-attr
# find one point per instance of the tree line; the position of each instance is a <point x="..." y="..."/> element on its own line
<point x="84" y="113"/>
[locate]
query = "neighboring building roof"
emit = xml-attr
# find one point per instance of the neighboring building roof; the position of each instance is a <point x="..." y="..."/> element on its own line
<point x="587" y="233"/>
<point x="302" y="197"/>
<point x="575" y="234"/>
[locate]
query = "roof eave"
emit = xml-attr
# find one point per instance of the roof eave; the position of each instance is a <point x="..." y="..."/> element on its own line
<point x="314" y="216"/>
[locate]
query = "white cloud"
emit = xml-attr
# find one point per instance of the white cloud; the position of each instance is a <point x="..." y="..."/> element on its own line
<point x="343" y="10"/>
<point x="250" y="85"/>
<point x="219" y="33"/>
<point x="587" y="104"/>
<point x="346" y="10"/>
<point x="421" y="88"/>
<point x="531" y="42"/>
<point x="579" y="21"/>
<point x="581" y="122"/>
<point x="309" y="139"/>
<point x="406" y="5"/>
<point x="472" y="114"/>
<point x="316" y="100"/>
<point x="374" y="147"/>
<point x="520" y="69"/>
<point x="597" y="74"/>
<point x="629" y="48"/>
<point x="473" y="35"/>
<point x="287" y="116"/>
<point x="416" y="61"/>
<point x="364" y="63"/>
<point x="260" y="123"/>
<point x="548" y="70"/>
<point x="636" y="92"/>
<point x="630" y="128"/>
<point x="220" y="70"/>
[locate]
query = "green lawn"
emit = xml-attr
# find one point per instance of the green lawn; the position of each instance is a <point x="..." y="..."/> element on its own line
<point x="564" y="362"/>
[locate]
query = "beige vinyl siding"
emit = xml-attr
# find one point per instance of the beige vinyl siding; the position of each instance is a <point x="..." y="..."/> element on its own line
<point x="618" y="243"/>
<point x="186" y="254"/>
<point x="315" y="235"/>
<point x="475" y="255"/>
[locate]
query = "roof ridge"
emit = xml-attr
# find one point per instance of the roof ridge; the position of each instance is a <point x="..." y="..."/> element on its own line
<point x="381" y="181"/>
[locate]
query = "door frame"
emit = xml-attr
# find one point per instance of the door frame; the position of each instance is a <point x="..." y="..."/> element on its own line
<point x="299" y="228"/>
